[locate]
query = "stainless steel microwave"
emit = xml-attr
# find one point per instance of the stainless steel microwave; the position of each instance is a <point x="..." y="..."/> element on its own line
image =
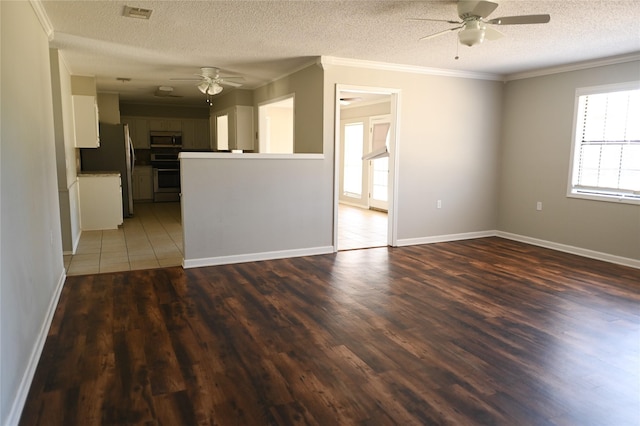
<point x="165" y="139"/>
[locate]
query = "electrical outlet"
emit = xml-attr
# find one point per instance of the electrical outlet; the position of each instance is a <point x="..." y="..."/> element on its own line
<point x="439" y="204"/>
<point x="539" y="205"/>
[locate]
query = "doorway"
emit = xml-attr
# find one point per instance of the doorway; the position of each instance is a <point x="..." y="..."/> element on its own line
<point x="365" y="172"/>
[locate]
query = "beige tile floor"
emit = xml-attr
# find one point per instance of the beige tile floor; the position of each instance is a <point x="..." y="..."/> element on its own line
<point x="152" y="238"/>
<point x="361" y="228"/>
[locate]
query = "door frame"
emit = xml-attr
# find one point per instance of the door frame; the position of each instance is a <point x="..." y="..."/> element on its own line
<point x="394" y="151"/>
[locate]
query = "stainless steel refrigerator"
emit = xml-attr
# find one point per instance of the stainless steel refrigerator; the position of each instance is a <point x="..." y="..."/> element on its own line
<point x="114" y="154"/>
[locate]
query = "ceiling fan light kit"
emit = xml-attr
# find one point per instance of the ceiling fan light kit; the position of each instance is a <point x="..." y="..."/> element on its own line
<point x="473" y="33"/>
<point x="474" y="29"/>
<point x="209" y="82"/>
<point x="210" y="88"/>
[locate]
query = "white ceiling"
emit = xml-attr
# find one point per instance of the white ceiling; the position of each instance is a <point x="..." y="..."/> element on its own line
<point x="264" y="40"/>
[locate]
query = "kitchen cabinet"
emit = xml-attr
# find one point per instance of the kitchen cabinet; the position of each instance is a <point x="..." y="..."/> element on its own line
<point x="85" y="121"/>
<point x="100" y="199"/>
<point x="233" y="129"/>
<point x="167" y="125"/>
<point x="195" y="134"/>
<point x="143" y="183"/>
<point x="138" y="131"/>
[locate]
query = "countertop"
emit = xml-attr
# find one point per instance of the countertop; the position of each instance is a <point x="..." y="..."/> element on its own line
<point x="98" y="173"/>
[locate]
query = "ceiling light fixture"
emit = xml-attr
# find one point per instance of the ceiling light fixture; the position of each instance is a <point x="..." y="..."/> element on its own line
<point x="472" y="33"/>
<point x="209" y="88"/>
<point x="136" y="12"/>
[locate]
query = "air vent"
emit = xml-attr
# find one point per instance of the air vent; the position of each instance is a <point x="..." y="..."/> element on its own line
<point x="136" y="12"/>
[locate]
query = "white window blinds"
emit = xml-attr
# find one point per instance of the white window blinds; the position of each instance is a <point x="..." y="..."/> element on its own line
<point x="607" y="145"/>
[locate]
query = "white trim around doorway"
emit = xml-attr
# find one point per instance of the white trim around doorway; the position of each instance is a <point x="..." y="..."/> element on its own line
<point x="394" y="151"/>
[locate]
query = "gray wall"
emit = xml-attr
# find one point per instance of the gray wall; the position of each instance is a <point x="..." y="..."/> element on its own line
<point x="448" y="148"/>
<point x="307" y="86"/>
<point x="31" y="267"/>
<point x="536" y="150"/>
<point x="65" y="152"/>
<point x="251" y="205"/>
<point x="242" y="205"/>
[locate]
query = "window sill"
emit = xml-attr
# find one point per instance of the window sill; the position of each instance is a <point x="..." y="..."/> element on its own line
<point x="606" y="198"/>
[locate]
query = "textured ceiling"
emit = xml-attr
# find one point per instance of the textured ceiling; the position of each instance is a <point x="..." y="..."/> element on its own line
<point x="263" y="40"/>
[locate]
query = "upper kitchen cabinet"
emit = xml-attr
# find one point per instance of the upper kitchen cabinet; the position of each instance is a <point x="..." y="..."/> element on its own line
<point x="195" y="134"/>
<point x="85" y="118"/>
<point x="168" y="125"/>
<point x="138" y="131"/>
<point x="233" y="129"/>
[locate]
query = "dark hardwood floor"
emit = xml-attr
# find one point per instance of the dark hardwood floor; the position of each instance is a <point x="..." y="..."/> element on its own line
<point x="486" y="331"/>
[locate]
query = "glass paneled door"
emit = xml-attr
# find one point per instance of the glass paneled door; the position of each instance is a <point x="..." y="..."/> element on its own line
<point x="379" y="166"/>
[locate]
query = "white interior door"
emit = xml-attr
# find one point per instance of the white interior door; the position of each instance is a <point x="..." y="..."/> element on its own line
<point x="379" y="166"/>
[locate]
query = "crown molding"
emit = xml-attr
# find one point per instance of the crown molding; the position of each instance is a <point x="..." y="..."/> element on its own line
<point x="613" y="60"/>
<point x="38" y="8"/>
<point x="328" y="61"/>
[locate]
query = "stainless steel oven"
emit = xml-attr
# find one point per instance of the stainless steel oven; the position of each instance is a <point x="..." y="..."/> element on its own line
<point x="166" y="176"/>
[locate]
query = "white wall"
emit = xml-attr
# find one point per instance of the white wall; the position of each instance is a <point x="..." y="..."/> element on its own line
<point x="31" y="269"/>
<point x="448" y="148"/>
<point x="536" y="151"/>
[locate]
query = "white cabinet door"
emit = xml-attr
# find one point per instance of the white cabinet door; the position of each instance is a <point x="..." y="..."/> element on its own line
<point x="100" y="202"/>
<point x="85" y="120"/>
<point x="173" y="125"/>
<point x="143" y="183"/>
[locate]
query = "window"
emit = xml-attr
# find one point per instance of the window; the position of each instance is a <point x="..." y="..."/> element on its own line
<point x="606" y="144"/>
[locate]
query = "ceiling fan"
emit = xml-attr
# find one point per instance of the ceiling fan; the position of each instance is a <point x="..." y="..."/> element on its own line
<point x="210" y="81"/>
<point x="473" y="25"/>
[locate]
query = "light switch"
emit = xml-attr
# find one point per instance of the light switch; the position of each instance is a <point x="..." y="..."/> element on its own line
<point x="539" y="205"/>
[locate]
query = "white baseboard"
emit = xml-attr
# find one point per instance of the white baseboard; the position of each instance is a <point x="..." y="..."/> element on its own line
<point x="27" y="377"/>
<point x="592" y="254"/>
<point x="255" y="257"/>
<point x="444" y="238"/>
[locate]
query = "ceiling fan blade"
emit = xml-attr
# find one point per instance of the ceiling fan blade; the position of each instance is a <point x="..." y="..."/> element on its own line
<point x="482" y="8"/>
<point x="229" y="83"/>
<point x="185" y="79"/>
<point x="434" y="20"/>
<point x="492" y="34"/>
<point x="440" y="33"/>
<point x="230" y="77"/>
<point x="522" y="19"/>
